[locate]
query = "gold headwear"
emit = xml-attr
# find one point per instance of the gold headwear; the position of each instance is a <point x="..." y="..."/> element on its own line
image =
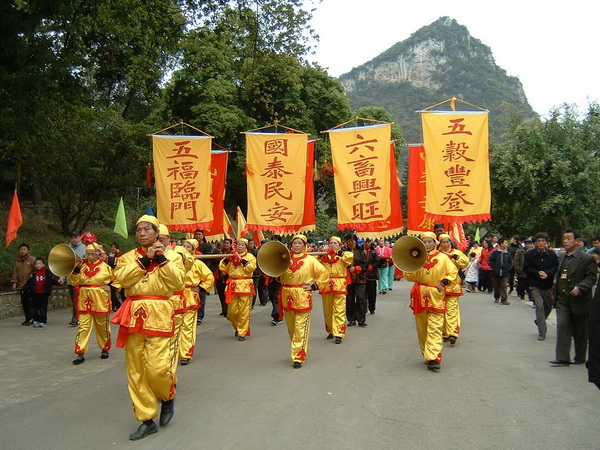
<point x="335" y="238"/>
<point x="244" y="240"/>
<point x="444" y="236"/>
<point x="301" y="237"/>
<point x="194" y="243"/>
<point x="162" y="229"/>
<point x="430" y="234"/>
<point x="90" y="248"/>
<point x="150" y="219"/>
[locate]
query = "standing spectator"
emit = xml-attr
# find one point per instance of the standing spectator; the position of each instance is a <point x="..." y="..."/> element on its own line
<point x="438" y="229"/>
<point x="221" y="277"/>
<point x="472" y="273"/>
<point x="372" y="274"/>
<point x="577" y="273"/>
<point x="593" y="364"/>
<point x="39" y="287"/>
<point x="356" y="298"/>
<point x="595" y="244"/>
<point x="384" y="254"/>
<point x="501" y="263"/>
<point x="485" y="271"/>
<point x="476" y="248"/>
<point x="79" y="250"/>
<point x="391" y="267"/>
<point x="518" y="264"/>
<point x="514" y="245"/>
<point x="540" y="266"/>
<point x="24" y="266"/>
<point x="273" y="287"/>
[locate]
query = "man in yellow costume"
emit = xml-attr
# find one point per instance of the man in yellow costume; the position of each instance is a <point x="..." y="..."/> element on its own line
<point x="453" y="290"/>
<point x="150" y="274"/>
<point x="336" y="263"/>
<point x="92" y="277"/>
<point x="197" y="277"/>
<point x="240" y="288"/>
<point x="427" y="300"/>
<point x="296" y="296"/>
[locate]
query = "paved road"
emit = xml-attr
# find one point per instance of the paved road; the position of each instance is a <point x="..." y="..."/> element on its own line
<point x="495" y="390"/>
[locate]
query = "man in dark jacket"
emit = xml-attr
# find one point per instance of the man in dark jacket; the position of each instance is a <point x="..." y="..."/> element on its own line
<point x="577" y="275"/>
<point x="540" y="266"/>
<point x="501" y="262"/>
<point x="356" y="297"/>
<point x="24" y="266"/>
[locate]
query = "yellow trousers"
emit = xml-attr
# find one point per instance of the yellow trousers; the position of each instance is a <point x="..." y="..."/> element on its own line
<point x="175" y="344"/>
<point x="84" y="330"/>
<point x="148" y="361"/>
<point x="334" y="312"/>
<point x="238" y="313"/>
<point x="429" y="330"/>
<point x="187" y="337"/>
<point x="452" y="316"/>
<point x="298" y="325"/>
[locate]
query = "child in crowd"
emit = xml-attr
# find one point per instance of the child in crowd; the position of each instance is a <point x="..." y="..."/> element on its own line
<point x="38" y="288"/>
<point x="472" y="273"/>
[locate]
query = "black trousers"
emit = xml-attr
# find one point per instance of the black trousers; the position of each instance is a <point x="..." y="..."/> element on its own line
<point x="485" y="280"/>
<point x="202" y="308"/>
<point x="273" y="289"/>
<point x="40" y="307"/>
<point x="356" y="303"/>
<point x="262" y="291"/>
<point x="27" y="305"/>
<point x="569" y="328"/>
<point x="220" y="285"/>
<point x="521" y="287"/>
<point x="371" y="288"/>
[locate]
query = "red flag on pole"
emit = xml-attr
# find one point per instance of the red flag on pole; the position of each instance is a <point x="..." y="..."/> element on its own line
<point x="149" y="175"/>
<point x="15" y="220"/>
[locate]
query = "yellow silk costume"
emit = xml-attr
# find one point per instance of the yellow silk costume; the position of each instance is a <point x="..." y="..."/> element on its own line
<point x="453" y="292"/>
<point x="146" y="326"/>
<point x="427" y="302"/>
<point x="297" y="303"/>
<point x="93" y="304"/>
<point x="239" y="291"/>
<point x="198" y="275"/>
<point x="334" y="294"/>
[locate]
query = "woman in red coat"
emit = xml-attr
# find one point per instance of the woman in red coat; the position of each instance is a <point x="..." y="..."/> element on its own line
<point x="485" y="270"/>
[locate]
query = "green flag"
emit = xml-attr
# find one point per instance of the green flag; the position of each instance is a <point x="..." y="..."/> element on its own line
<point x="121" y="221"/>
<point x="477" y="235"/>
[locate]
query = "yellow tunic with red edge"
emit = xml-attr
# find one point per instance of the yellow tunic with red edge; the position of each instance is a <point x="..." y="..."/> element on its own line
<point x="336" y="267"/>
<point x="240" y="277"/>
<point x="179" y="298"/>
<point x="147" y="309"/>
<point x="92" y="299"/>
<point x="198" y="275"/>
<point x="303" y="270"/>
<point x="455" y="286"/>
<point x="424" y="296"/>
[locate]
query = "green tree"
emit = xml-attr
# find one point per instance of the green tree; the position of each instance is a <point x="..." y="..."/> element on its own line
<point x="545" y="174"/>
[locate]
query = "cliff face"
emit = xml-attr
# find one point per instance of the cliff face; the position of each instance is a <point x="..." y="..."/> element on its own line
<point x="439" y="61"/>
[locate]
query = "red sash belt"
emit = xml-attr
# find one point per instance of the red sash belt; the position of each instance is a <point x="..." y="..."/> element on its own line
<point x="228" y="293"/>
<point x="90" y="285"/>
<point x="123" y="316"/>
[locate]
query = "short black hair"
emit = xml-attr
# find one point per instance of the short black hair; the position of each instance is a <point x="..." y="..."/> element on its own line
<point x="541" y="235"/>
<point x="24" y="245"/>
<point x="439" y="225"/>
<point x="228" y="240"/>
<point x="41" y="259"/>
<point x="501" y="240"/>
<point x="576" y="234"/>
<point x="115" y="244"/>
<point x="198" y="230"/>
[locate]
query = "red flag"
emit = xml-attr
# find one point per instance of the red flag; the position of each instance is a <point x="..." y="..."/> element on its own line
<point x="149" y="175"/>
<point x="15" y="220"/>
<point x="218" y="169"/>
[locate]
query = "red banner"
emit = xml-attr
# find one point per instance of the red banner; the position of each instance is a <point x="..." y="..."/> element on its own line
<point x="417" y="222"/>
<point x="218" y="173"/>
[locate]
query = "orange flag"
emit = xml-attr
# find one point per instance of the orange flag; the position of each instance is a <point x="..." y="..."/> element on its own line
<point x="241" y="224"/>
<point x="15" y="220"/>
<point x="227" y="227"/>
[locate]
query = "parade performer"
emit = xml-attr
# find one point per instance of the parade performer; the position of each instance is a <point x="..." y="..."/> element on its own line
<point x="198" y="278"/>
<point x="336" y="262"/>
<point x="427" y="300"/>
<point x="453" y="290"/>
<point x="92" y="276"/>
<point x="296" y="296"/>
<point x="150" y="274"/>
<point x="240" y="288"/>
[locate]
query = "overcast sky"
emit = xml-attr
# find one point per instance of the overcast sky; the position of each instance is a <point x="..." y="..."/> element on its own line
<point x="551" y="46"/>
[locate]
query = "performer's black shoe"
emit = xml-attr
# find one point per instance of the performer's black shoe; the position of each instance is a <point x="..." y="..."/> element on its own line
<point x="433" y="365"/>
<point x="352" y="323"/>
<point x="147" y="427"/>
<point x="558" y="363"/>
<point x="79" y="360"/>
<point x="166" y="412"/>
<point x="297" y="365"/>
<point x="241" y="338"/>
<point x="576" y="362"/>
<point x="185" y="362"/>
<point x="104" y="355"/>
<point x="362" y="324"/>
<point x="338" y="340"/>
<point x="452" y="340"/>
<point x="330" y="336"/>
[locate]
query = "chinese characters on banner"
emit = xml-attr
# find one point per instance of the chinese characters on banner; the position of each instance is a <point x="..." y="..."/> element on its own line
<point x="183" y="181"/>
<point x="417" y="222"/>
<point x="366" y="183"/>
<point x="457" y="165"/>
<point x="276" y="167"/>
<point x="218" y="173"/>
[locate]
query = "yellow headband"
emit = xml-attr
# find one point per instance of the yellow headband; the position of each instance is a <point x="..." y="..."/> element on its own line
<point x="301" y="237"/>
<point x="244" y="240"/>
<point x="90" y="248"/>
<point x="162" y="229"/>
<point x="336" y="239"/>
<point x="194" y="243"/>
<point x="429" y="234"/>
<point x="444" y="236"/>
<point x="150" y="219"/>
